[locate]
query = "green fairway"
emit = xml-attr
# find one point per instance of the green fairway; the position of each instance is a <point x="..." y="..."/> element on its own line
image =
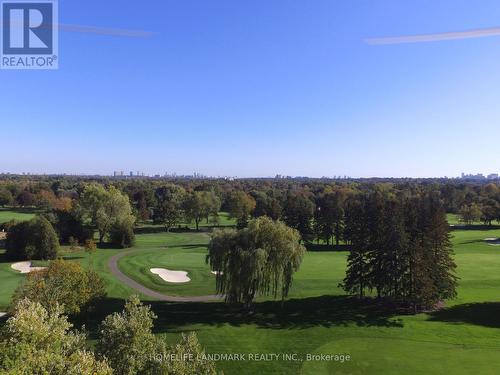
<point x="463" y="338"/>
<point x="20" y="214"/>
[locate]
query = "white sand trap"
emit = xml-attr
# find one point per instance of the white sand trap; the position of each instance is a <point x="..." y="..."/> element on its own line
<point x="217" y="272"/>
<point x="171" y="276"/>
<point x="2" y="314"/>
<point x="25" y="267"/>
<point x="493" y="241"/>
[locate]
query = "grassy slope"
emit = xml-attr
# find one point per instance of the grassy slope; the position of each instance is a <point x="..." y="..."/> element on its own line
<point x="463" y="339"/>
<point x="15" y="214"/>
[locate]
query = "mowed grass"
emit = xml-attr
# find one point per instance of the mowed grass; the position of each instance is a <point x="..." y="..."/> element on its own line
<point x="317" y="318"/>
<point x="19" y="214"/>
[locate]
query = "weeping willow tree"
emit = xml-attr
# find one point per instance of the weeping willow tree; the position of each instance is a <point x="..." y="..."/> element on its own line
<point x="257" y="260"/>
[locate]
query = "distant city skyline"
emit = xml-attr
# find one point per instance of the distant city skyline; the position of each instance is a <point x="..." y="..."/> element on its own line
<point x="139" y="174"/>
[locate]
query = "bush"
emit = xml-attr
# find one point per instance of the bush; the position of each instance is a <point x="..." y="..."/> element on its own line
<point x="34" y="239"/>
<point x="63" y="283"/>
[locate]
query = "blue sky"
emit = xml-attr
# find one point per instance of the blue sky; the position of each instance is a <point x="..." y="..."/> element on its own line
<point x="257" y="88"/>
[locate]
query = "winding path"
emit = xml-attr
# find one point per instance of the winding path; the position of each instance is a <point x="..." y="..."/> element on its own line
<point x="113" y="267"/>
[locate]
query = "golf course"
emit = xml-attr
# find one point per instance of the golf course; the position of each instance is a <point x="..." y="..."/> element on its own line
<point x="316" y="318"/>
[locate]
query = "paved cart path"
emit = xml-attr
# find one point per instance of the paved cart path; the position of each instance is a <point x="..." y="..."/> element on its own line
<point x="113" y="267"/>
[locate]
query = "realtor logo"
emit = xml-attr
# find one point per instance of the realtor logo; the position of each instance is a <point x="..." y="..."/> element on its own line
<point x="29" y="35"/>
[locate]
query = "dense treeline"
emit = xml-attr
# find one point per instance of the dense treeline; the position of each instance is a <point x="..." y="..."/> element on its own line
<point x="396" y="231"/>
<point x="399" y="247"/>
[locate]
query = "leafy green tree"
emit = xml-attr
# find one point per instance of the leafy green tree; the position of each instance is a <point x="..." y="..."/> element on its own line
<point x="199" y="205"/>
<point x="490" y="210"/>
<point x="257" y="260"/>
<point x="127" y="341"/>
<point x="470" y="213"/>
<point x="34" y="239"/>
<point x="240" y="205"/>
<point x="168" y="205"/>
<point x="37" y="341"/>
<point x="105" y="208"/>
<point x="6" y="198"/>
<point x="298" y="213"/>
<point x="121" y="233"/>
<point x="63" y="284"/>
<point x="329" y="217"/>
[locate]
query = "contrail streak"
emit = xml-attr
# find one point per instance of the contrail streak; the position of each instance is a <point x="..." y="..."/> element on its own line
<point x="96" y="30"/>
<point x="105" y="31"/>
<point x="476" y="33"/>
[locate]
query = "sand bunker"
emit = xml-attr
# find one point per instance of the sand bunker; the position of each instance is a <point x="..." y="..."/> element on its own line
<point x="492" y="241"/>
<point x="2" y="314"/>
<point x="171" y="276"/>
<point x="25" y="267"/>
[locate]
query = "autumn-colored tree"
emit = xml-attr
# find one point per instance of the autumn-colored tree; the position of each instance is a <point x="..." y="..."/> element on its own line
<point x="37" y="341"/>
<point x="63" y="283"/>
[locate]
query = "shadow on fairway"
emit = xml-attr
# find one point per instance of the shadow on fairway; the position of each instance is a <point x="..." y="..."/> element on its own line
<point x="474" y="227"/>
<point x="324" y="247"/>
<point x="485" y="314"/>
<point x="325" y="311"/>
<point x="161" y="229"/>
<point x="189" y="247"/>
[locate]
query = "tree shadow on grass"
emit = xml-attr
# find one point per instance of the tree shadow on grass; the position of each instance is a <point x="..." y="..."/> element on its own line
<point x="485" y="314"/>
<point x="324" y="247"/>
<point x="161" y="229"/>
<point x="190" y="246"/>
<point x="325" y="311"/>
<point x="474" y="227"/>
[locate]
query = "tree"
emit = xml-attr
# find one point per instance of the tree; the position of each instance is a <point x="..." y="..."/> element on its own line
<point x="26" y="199"/>
<point x="37" y="341"/>
<point x="329" y="217"/>
<point x="63" y="284"/>
<point x="240" y="206"/>
<point x="298" y="213"/>
<point x="127" y="341"/>
<point x="470" y="213"/>
<point x="69" y="224"/>
<point x="401" y="248"/>
<point x="490" y="210"/>
<point x="6" y="198"/>
<point x="168" y="205"/>
<point x="257" y="260"/>
<point x="105" y="208"/>
<point x="121" y="233"/>
<point x="267" y="204"/>
<point x="200" y="205"/>
<point x="34" y="239"/>
<point x="358" y="236"/>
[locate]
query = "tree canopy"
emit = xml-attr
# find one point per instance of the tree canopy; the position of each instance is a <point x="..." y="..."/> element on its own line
<point x="257" y="260"/>
<point x="37" y="341"/>
<point x="33" y="239"/>
<point x="64" y="284"/>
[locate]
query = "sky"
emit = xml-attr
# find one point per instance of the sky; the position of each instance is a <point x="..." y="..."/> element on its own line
<point x="258" y="88"/>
